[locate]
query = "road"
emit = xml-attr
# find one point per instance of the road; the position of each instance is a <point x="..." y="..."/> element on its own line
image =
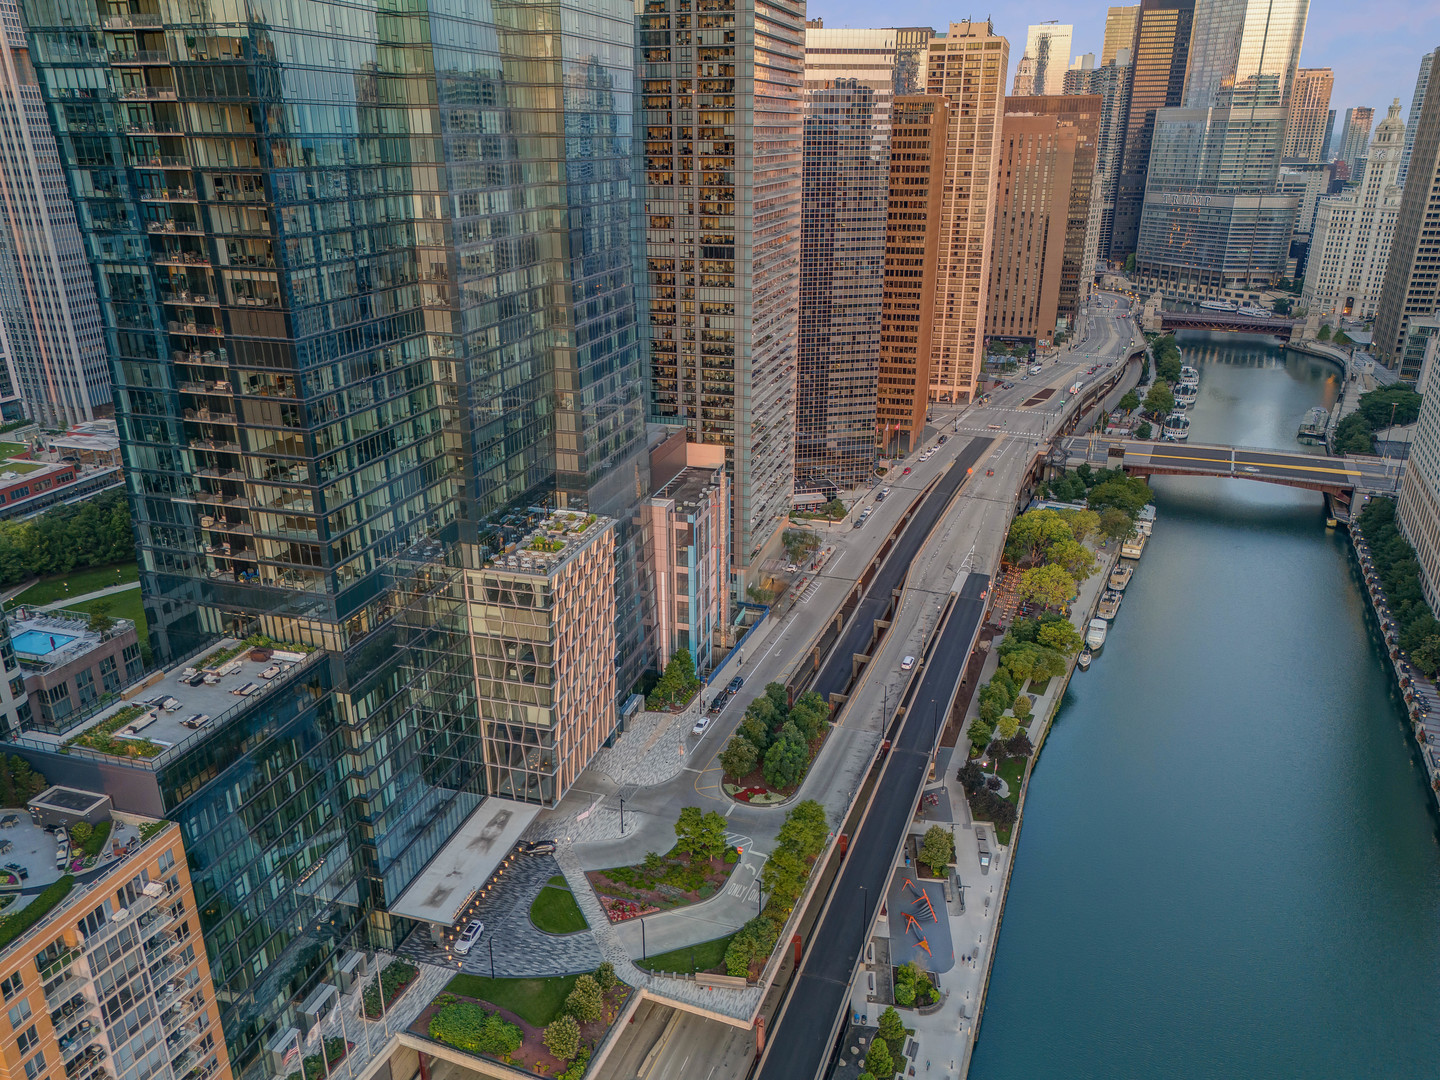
<point x="1243" y="463"/>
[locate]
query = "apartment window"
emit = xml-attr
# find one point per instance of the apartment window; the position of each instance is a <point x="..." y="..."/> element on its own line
<point x="19" y="1014"/>
<point x="27" y="1040"/>
<point x="11" y="986"/>
<point x="35" y="1066"/>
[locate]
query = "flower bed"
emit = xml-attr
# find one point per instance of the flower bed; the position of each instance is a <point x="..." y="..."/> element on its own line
<point x="660" y="883"/>
<point x="757" y="794"/>
<point x="102" y="736"/>
<point x="625" y="910"/>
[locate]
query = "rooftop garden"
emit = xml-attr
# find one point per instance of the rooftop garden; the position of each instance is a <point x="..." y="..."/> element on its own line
<point x="13" y="925"/>
<point x="103" y="738"/>
<point x="695" y="869"/>
<point x="254" y="641"/>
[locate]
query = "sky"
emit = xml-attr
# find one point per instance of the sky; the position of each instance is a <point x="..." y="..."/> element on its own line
<point x="1374" y="46"/>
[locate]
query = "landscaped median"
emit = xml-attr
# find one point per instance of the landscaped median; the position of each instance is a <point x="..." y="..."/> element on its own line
<point x="554" y="911"/>
<point x="549" y="1027"/>
<point x="695" y="869"/>
<point x="777" y="742"/>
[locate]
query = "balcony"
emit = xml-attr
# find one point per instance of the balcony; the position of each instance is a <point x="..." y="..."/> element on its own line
<point x="162" y="161"/>
<point x="207" y="329"/>
<point x="188" y="227"/>
<point x="140" y="56"/>
<point x="169" y="195"/>
<point x="130" y="916"/>
<point x="133" y="21"/>
<point x="59" y="966"/>
<point x="147" y="93"/>
<point x="189" y="299"/>
<point x="181" y="258"/>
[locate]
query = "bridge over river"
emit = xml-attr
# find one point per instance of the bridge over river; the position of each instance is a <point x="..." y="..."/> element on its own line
<point x="1231" y="322"/>
<point x="1340" y="478"/>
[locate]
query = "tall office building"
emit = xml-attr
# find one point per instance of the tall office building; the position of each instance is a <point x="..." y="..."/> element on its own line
<point x="911" y="43"/>
<point x="721" y="110"/>
<point x="367" y="333"/>
<point x="1329" y="135"/>
<point x="1417" y="103"/>
<point x="849" y="86"/>
<point x="47" y="294"/>
<point x="1048" y="44"/>
<point x="1043" y="251"/>
<point x="1212" y="222"/>
<point x="1111" y="83"/>
<point x="1078" y="73"/>
<point x="1412" y="284"/>
<point x="1353" y="232"/>
<point x="1309" y="112"/>
<point x="1119" y="32"/>
<point x="1157" y="81"/>
<point x="1024" y="84"/>
<point x="1355" y="138"/>
<point x="967" y="66"/>
<point x="920" y="126"/>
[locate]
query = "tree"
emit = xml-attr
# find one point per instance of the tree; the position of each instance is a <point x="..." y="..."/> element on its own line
<point x="1128" y="493"/>
<point x="1160" y="401"/>
<point x="979" y="732"/>
<point x="1033" y="532"/>
<point x="605" y="976"/>
<point x="1130" y="263"/>
<point x="701" y="836"/>
<point x="1143" y="430"/>
<point x="936" y="851"/>
<point x="1082" y="523"/>
<point x="1342" y="338"/>
<point x="1048" y="585"/>
<point x="1019" y="746"/>
<point x="739" y="758"/>
<point x="1378" y="406"/>
<point x="779" y="697"/>
<point x="878" y="1059"/>
<point x="1075" y="557"/>
<point x="1116" y="524"/>
<point x="562" y="1037"/>
<point x="100" y="620"/>
<point x="677" y="683"/>
<point x="786" y="759"/>
<point x="1060" y="635"/>
<point x="1131" y="401"/>
<point x="585" y="1002"/>
<point x="1354" y="435"/>
<point x="1324" y="334"/>
<point x="805" y="830"/>
<point x="81" y="832"/>
<point x="1007" y="727"/>
<point x="755" y="731"/>
<point x="891" y="1026"/>
<point x="1022" y="709"/>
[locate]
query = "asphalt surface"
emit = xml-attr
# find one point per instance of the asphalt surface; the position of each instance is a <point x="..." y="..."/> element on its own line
<point x="834" y="676"/>
<point x="800" y="1040"/>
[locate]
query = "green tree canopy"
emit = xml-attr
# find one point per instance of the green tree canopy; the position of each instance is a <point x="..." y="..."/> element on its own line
<point x="1116" y="524"/>
<point x="891" y="1026"/>
<point x="1377" y="405"/>
<point x="1129" y="494"/>
<point x="1052" y="586"/>
<point x="1083" y="523"/>
<point x="702" y="836"/>
<point x="1034" y="531"/>
<point x="1324" y="334"/>
<point x="1007" y="727"/>
<point x="1131" y="401"/>
<point x="562" y="1037"/>
<point x="1073" y="556"/>
<point x="739" y="758"/>
<point x="1062" y="636"/>
<point x="1160" y="401"/>
<point x="936" y="850"/>
<point x="585" y="1002"/>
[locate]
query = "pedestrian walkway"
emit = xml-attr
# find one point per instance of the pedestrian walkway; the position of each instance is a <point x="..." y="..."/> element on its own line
<point x="71" y="601"/>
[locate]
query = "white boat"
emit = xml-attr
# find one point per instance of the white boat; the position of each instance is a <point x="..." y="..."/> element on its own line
<point x="1253" y="312"/>
<point x="1120" y="577"/>
<point x="1083" y="660"/>
<point x="1095" y="634"/>
<point x="1177" y="428"/>
<point x="1109" y="605"/>
<point x="1218" y="305"/>
<point x="1189" y="376"/>
<point x="1134" y="547"/>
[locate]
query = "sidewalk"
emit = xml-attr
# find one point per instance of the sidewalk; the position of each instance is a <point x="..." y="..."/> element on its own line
<point x="71" y="600"/>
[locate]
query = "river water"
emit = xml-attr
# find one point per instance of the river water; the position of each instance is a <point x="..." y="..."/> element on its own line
<point x="1229" y="862"/>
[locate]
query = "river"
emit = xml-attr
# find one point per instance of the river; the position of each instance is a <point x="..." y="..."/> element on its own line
<point x="1229" y="862"/>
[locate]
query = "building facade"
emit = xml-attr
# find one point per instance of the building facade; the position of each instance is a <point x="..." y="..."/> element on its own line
<point x="1418" y="508"/>
<point x="1212" y="222"/>
<point x="111" y="983"/>
<point x="1355" y="138"/>
<point x="57" y="360"/>
<point x="1353" y="231"/>
<point x="1417" y="104"/>
<point x="1043" y="257"/>
<point x="1158" y="64"/>
<point x="968" y="67"/>
<point x="69" y="667"/>
<point x="1119" y="32"/>
<point x="722" y="117"/>
<point x="1411" y="287"/>
<point x="1309" y="113"/>
<point x="1111" y="83"/>
<point x="849" y="86"/>
<point x="920" y="127"/>
<point x="1048" y="46"/>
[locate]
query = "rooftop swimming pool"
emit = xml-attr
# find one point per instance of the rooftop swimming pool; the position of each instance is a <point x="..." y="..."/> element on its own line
<point x="39" y="642"/>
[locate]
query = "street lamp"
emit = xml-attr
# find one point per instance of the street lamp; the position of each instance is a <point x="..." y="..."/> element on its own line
<point x="622" y="815"/>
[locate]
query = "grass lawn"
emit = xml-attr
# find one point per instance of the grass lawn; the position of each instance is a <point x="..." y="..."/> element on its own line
<point x="559" y="879"/>
<point x="21" y="467"/>
<point x="555" y="912"/>
<point x="81" y="581"/>
<point x="123" y="605"/>
<point x="536" y="1001"/>
<point x="1012" y="770"/>
<point x="1037" y="686"/>
<point x="11" y="449"/>
<point x="706" y="955"/>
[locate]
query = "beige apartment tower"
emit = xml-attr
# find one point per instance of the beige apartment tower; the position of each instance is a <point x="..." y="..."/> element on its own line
<point x="968" y="67"/>
<point x="1043" y="253"/>
<point x="919" y="127"/>
<point x="1309" y="114"/>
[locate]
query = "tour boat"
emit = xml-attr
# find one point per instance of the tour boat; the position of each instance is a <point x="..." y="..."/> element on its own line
<point x="1095" y="635"/>
<point x="1120" y="577"/>
<point x="1177" y="427"/>
<point x="1218" y="305"/>
<point x="1253" y="312"/>
<point x="1083" y="660"/>
<point x="1109" y="605"/>
<point x="1189" y="376"/>
<point x="1133" y="548"/>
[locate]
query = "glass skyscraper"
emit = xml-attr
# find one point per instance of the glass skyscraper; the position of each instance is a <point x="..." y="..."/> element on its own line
<point x="367" y="289"/>
<point x="1212" y="222"/>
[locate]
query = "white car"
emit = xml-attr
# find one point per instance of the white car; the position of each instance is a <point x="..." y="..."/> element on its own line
<point x="700" y="726"/>
<point x="791" y="568"/>
<point x="907" y="663"/>
<point x="471" y="934"/>
<point x="1249" y="468"/>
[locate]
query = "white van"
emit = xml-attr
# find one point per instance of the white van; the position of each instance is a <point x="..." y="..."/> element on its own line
<point x="471" y="934"/>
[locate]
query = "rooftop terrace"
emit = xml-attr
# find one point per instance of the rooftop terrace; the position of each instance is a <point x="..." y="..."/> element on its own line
<point x="45" y="641"/>
<point x="555" y="539"/>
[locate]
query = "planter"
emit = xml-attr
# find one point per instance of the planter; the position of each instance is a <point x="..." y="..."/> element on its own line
<point x="260" y="656"/>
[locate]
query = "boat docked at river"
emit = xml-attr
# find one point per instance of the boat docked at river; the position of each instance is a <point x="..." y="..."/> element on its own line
<point x="1146" y="521"/>
<point x="1083" y="660"/>
<point x="1095" y="633"/>
<point x="1177" y="428"/>
<point x="1312" y="428"/>
<point x="1120" y="577"/>
<point x="1219" y="305"/>
<point x="1109" y="605"/>
<point x="1185" y="395"/>
<point x="1134" y="547"/>
<point x="1189" y="376"/>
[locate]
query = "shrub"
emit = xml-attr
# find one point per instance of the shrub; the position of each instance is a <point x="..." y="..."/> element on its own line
<point x="562" y="1037"/>
<point x="753" y="941"/>
<point x="913" y="986"/>
<point x="585" y="1003"/>
<point x="12" y="926"/>
<point x="891" y="1026"/>
<point x="605" y="976"/>
<point x="878" y="1060"/>
<point x="393" y="978"/>
<point x="577" y="1067"/>
<point x="466" y="1026"/>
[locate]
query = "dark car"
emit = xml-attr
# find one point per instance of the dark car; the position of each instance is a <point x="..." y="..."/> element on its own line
<point x="735" y="684"/>
<point x="536" y="847"/>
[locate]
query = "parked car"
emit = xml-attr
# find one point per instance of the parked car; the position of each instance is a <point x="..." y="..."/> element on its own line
<point x="884" y="493"/>
<point x="471" y="934"/>
<point x="700" y="726"/>
<point x="736" y="683"/>
<point x="791" y="568"/>
<point x="536" y="847"/>
<point x="941" y="441"/>
<point x="907" y="663"/>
